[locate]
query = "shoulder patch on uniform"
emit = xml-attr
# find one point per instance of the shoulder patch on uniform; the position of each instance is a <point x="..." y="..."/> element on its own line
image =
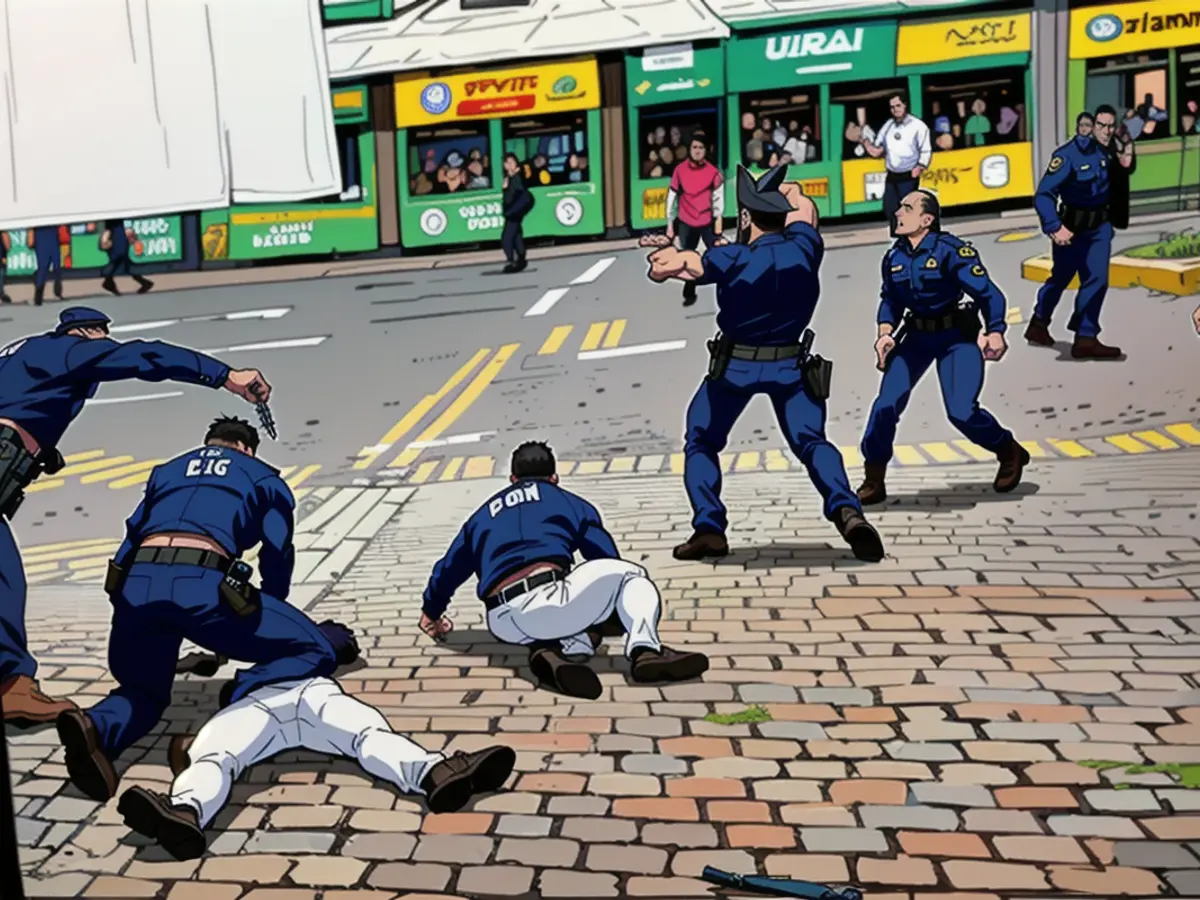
<point x="931" y="263"/>
<point x="977" y="270"/>
<point x="897" y="268"/>
<point x="1056" y="163"/>
<point x="966" y="251"/>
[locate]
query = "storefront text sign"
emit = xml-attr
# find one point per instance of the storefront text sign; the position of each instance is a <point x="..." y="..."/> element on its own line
<point x="788" y="58"/>
<point x="934" y="42"/>
<point x="1121" y="28"/>
<point x="670" y="77"/>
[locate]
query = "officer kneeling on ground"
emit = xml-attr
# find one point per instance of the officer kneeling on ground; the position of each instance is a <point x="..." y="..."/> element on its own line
<point x="521" y="546"/>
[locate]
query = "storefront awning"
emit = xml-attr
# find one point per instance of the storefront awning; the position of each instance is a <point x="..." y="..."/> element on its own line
<point x="741" y="14"/>
<point x="434" y="35"/>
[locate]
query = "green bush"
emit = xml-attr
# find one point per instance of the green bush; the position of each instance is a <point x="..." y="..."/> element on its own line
<point x="1185" y="245"/>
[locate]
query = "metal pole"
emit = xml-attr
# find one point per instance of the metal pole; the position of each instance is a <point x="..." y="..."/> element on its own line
<point x="10" y="860"/>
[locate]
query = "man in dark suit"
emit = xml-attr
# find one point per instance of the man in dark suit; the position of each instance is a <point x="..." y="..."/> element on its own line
<point x="516" y="206"/>
<point x="1122" y="163"/>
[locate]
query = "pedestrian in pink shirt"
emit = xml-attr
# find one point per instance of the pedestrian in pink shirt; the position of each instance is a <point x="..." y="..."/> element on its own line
<point x="695" y="204"/>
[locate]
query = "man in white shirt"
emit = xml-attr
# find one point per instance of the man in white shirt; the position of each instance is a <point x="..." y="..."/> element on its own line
<point x="309" y="714"/>
<point x="905" y="145"/>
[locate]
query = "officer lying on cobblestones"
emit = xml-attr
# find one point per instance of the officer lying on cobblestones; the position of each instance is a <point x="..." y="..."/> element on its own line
<point x="521" y="545"/>
<point x="767" y="290"/>
<point x="45" y="381"/>
<point x="925" y="275"/>
<point x="175" y="577"/>
<point x="305" y="714"/>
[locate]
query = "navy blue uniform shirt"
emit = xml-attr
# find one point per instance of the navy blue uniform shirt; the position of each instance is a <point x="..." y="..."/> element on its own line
<point x="767" y="291"/>
<point x="1078" y="174"/>
<point x="45" y="238"/>
<point x="45" y="379"/>
<point x="931" y="279"/>
<point x="228" y="496"/>
<point x="527" y="522"/>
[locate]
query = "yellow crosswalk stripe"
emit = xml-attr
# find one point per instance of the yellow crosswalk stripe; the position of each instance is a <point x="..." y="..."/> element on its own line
<point x="451" y="471"/>
<point x="613" y="338"/>
<point x="41" y="569"/>
<point x="566" y="468"/>
<point x="747" y="462"/>
<point x="424" y="470"/>
<point x="1186" y="432"/>
<point x="26" y="552"/>
<point x="1035" y="449"/>
<point x="419" y="411"/>
<point x="557" y="338"/>
<point x="909" y="456"/>
<point x="93" y="466"/>
<point x="1127" y="443"/>
<point x="727" y="462"/>
<point x="48" y="485"/>
<point x="1013" y="316"/>
<point x="121" y="470"/>
<point x="300" y="493"/>
<point x="622" y="464"/>
<point x="76" y="553"/>
<point x="1073" y="449"/>
<point x="1154" y="439"/>
<point x="851" y="457"/>
<point x="591" y="467"/>
<point x="777" y="462"/>
<point x="302" y="476"/>
<point x="974" y="451"/>
<point x="460" y="405"/>
<point x="92" y="562"/>
<point x="82" y="457"/>
<point x="286" y="471"/>
<point x="591" y="340"/>
<point x="676" y="463"/>
<point x="479" y="467"/>
<point x="941" y="452"/>
<point x="130" y="481"/>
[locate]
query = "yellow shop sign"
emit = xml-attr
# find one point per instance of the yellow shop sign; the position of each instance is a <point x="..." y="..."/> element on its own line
<point x="934" y="42"/>
<point x="497" y="93"/>
<point x="958" y="177"/>
<point x="1121" y="28"/>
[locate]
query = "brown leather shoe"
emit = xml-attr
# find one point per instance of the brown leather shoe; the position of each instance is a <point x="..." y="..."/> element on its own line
<point x="1013" y="460"/>
<point x="25" y="704"/>
<point x="87" y="766"/>
<point x="665" y="664"/>
<point x="702" y="545"/>
<point x="176" y="828"/>
<point x="451" y="783"/>
<point x="1037" y="332"/>
<point x="610" y="627"/>
<point x="560" y="674"/>
<point x="863" y="539"/>
<point x="177" y="753"/>
<point x="1091" y="348"/>
<point x="873" y="489"/>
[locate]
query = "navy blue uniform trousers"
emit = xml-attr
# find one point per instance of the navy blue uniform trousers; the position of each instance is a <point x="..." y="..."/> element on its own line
<point x="1086" y="256"/>
<point x="716" y="408"/>
<point x="159" y="606"/>
<point x="48" y="260"/>
<point x="14" y="655"/>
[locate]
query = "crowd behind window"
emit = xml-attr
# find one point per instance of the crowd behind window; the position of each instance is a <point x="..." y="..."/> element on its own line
<point x="553" y="149"/>
<point x="780" y="126"/>
<point x="664" y="136"/>
<point x="868" y="109"/>
<point x="975" y="110"/>
<point x="449" y="160"/>
<point x="1136" y="86"/>
<point x="1187" y="90"/>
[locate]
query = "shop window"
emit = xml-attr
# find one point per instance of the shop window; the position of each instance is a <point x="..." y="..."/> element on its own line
<point x="779" y="126"/>
<point x="868" y="109"/>
<point x="449" y="160"/>
<point x="1187" y="90"/>
<point x="552" y="149"/>
<point x="1136" y="87"/>
<point x="351" y="163"/>
<point x="977" y="109"/>
<point x="665" y="134"/>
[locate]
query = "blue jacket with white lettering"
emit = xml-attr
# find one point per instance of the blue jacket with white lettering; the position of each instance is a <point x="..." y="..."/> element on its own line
<point x="220" y="493"/>
<point x="527" y="522"/>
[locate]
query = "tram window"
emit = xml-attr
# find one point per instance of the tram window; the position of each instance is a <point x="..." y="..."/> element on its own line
<point x="779" y="125"/>
<point x="1187" y="90"/>
<point x="975" y="109"/>
<point x="664" y="135"/>
<point x="1136" y="86"/>
<point x="868" y="109"/>
<point x="552" y="149"/>
<point x="351" y="163"/>
<point x="449" y="160"/>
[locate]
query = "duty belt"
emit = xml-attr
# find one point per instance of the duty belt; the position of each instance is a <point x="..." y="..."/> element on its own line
<point x="517" y="588"/>
<point x="183" y="556"/>
<point x="1078" y="220"/>
<point x="765" y="354"/>
<point x="934" y="323"/>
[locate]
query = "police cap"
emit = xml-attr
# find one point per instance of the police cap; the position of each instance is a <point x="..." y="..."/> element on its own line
<point x="81" y="317"/>
<point x="762" y="195"/>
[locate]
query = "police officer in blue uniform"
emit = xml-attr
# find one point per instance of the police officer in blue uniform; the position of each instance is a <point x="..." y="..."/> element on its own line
<point x="521" y="546"/>
<point x="767" y="290"/>
<point x="44" y="382"/>
<point x="1072" y="202"/>
<point x="925" y="276"/>
<point x="175" y="577"/>
<point x="43" y="240"/>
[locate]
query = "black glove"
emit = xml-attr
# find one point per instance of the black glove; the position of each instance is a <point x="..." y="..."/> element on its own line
<point x="345" y="645"/>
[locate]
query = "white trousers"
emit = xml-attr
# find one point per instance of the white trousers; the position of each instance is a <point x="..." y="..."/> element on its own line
<point x="564" y="610"/>
<point x="311" y="714"/>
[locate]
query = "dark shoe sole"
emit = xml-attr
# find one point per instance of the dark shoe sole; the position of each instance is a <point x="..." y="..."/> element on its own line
<point x="870" y="497"/>
<point x="573" y="679"/>
<point x="1038" y="342"/>
<point x="681" y="668"/>
<point x="148" y="816"/>
<point x="865" y="543"/>
<point x="685" y="553"/>
<point x="488" y="773"/>
<point x="86" y="765"/>
<point x="1008" y="488"/>
<point x="1097" y="356"/>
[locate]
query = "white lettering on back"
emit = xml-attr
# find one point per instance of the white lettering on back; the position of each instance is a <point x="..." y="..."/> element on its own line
<point x="526" y="493"/>
<point x="217" y="467"/>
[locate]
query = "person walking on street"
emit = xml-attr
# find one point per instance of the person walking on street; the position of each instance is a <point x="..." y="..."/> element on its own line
<point x="517" y="202"/>
<point x="905" y="146"/>
<point x="117" y="240"/>
<point x="695" y="204"/>
<point x="5" y="246"/>
<point x="43" y="240"/>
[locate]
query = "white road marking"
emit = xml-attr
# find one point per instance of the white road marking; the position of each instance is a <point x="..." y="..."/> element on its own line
<point x="597" y="269"/>
<point x="143" y="326"/>
<point x="162" y="396"/>
<point x="453" y="439"/>
<point x="276" y="312"/>
<point x="286" y="344"/>
<point x="633" y="350"/>
<point x="546" y="303"/>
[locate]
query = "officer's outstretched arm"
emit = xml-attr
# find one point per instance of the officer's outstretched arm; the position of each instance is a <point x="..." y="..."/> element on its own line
<point x="670" y="262"/>
<point x="104" y="359"/>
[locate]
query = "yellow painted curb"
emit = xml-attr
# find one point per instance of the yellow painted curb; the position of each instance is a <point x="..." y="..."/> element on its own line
<point x="1166" y="276"/>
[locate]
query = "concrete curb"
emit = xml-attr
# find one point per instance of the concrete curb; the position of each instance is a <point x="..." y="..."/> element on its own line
<point x="1167" y="276"/>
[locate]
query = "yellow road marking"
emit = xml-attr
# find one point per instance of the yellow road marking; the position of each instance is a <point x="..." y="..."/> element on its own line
<point x="82" y="457"/>
<point x="747" y="462"/>
<point x="851" y="456"/>
<point x="461" y="403"/>
<point x="974" y="450"/>
<point x="451" y="471"/>
<point x="95" y="466"/>
<point x="591" y="340"/>
<point x="727" y="462"/>
<point x="75" y="553"/>
<point x="424" y="470"/>
<point x="121" y="470"/>
<point x="1035" y="449"/>
<point x="41" y="568"/>
<point x="1013" y="316"/>
<point x="1073" y="449"/>
<point x="777" y="462"/>
<point x="941" y="452"/>
<point x="565" y="468"/>
<point x="1127" y="443"/>
<point x="676" y="463"/>
<point x="557" y="338"/>
<point x="613" y="338"/>
<point x="139" y="478"/>
<point x="418" y="412"/>
<point x="591" y="467"/>
<point x="1154" y="439"/>
<point x="622" y="464"/>
<point x="479" y="467"/>
<point x="26" y="552"/>
<point x="909" y="456"/>
<point x="1186" y="432"/>
<point x="302" y="476"/>
<point x="300" y="494"/>
<point x="286" y="471"/>
<point x="1017" y="236"/>
<point x="95" y="562"/>
<point x="44" y="485"/>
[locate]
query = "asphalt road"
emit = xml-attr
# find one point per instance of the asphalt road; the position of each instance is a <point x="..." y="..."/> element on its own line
<point x="351" y="357"/>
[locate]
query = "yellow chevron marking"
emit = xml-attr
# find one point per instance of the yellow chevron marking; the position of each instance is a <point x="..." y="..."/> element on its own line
<point x="1127" y="443"/>
<point x="591" y="467"/>
<point x="300" y="493"/>
<point x="676" y="463"/>
<point x="1035" y="449"/>
<point x="777" y="462"/>
<point x="1154" y="439"/>
<point x="909" y="456"/>
<point x="479" y="467"/>
<point x="557" y="338"/>
<point x="94" y="466"/>
<point x="1186" y="432"/>
<point x="285" y="471"/>
<point x="76" y="553"/>
<point x="941" y="452"/>
<point x="94" y="562"/>
<point x="82" y="457"/>
<point x="974" y="451"/>
<point x="45" y="485"/>
<point x="622" y="464"/>
<point x="1013" y="316"/>
<point x="424" y="470"/>
<point x="851" y="456"/>
<point x="130" y="481"/>
<point x="302" y="476"/>
<point x="566" y="468"/>
<point x="727" y="462"/>
<point x="27" y="552"/>
<point x="747" y="462"/>
<point x="41" y="569"/>
<point x="1073" y="449"/>
<point x="121" y="470"/>
<point x="591" y="340"/>
<point x="613" y="338"/>
<point x="451" y="471"/>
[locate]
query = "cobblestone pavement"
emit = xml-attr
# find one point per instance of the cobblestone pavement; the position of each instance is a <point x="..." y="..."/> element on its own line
<point x="917" y="727"/>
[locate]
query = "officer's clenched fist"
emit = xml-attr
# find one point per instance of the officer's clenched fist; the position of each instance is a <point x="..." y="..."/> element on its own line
<point x="248" y="384"/>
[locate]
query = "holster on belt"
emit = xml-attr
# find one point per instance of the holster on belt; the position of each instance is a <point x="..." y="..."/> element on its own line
<point x="18" y="469"/>
<point x="238" y="593"/>
<point x="720" y="352"/>
<point x="817" y="373"/>
<point x="114" y="579"/>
